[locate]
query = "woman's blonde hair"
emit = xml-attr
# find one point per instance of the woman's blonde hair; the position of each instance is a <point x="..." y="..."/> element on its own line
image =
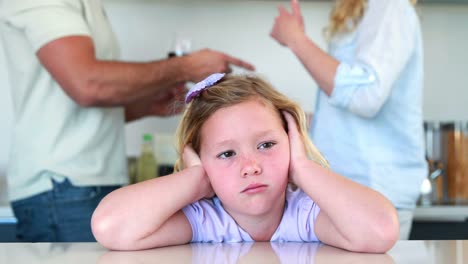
<point x="229" y="91"/>
<point x="346" y="15"/>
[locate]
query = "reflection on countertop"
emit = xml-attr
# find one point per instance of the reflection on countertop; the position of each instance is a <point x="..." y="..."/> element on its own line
<point x="260" y="252"/>
<point x="447" y="251"/>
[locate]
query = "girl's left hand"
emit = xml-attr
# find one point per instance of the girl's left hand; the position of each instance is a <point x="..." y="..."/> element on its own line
<point x="298" y="154"/>
<point x="191" y="159"/>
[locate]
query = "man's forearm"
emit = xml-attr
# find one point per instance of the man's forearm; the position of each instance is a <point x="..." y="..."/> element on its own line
<point x="121" y="83"/>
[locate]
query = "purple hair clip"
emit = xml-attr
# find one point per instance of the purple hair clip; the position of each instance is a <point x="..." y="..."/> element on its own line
<point x="203" y="85"/>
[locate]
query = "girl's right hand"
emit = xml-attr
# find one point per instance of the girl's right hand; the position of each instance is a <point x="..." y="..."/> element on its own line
<point x="192" y="160"/>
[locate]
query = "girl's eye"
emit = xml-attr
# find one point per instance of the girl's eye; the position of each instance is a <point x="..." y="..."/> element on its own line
<point x="266" y="145"/>
<point x="226" y="154"/>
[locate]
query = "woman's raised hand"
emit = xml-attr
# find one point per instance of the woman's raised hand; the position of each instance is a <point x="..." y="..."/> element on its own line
<point x="288" y="26"/>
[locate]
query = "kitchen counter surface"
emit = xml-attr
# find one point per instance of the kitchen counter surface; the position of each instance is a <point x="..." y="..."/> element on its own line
<point x="428" y="252"/>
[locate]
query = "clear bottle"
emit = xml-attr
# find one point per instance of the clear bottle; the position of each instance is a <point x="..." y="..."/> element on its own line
<point x="147" y="165"/>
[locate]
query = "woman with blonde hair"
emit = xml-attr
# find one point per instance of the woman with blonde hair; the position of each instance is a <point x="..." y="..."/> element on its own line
<point x="368" y="114"/>
<point x="241" y="142"/>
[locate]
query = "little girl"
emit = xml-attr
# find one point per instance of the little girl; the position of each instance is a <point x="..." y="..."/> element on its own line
<point x="241" y="144"/>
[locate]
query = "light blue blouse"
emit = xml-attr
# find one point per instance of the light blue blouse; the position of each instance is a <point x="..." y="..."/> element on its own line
<point x="371" y="128"/>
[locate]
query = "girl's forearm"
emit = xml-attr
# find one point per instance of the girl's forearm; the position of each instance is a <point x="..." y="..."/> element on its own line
<point x="357" y="212"/>
<point x="135" y="211"/>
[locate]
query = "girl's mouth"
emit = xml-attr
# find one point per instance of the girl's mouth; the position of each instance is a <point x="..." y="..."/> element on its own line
<point x="254" y="188"/>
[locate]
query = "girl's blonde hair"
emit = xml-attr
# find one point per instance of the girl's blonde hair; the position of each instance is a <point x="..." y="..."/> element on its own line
<point x="346" y="15"/>
<point x="229" y="91"/>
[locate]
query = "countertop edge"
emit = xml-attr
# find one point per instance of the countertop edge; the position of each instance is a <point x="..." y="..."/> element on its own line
<point x="429" y="213"/>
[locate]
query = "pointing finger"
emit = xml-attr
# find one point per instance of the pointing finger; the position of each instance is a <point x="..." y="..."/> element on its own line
<point x="240" y="63"/>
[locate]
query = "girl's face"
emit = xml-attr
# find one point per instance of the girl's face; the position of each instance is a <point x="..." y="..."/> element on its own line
<point x="245" y="152"/>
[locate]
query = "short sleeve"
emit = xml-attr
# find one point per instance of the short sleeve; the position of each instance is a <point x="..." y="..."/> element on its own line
<point x="307" y="214"/>
<point x="46" y="20"/>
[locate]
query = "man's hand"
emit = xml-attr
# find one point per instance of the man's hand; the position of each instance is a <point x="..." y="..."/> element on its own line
<point x="205" y="62"/>
<point x="162" y="104"/>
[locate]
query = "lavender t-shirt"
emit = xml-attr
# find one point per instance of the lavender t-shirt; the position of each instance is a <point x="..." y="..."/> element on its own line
<point x="211" y="223"/>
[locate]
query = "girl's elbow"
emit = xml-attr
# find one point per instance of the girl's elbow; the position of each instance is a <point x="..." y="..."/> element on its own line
<point x="104" y="232"/>
<point x="390" y="231"/>
<point x="385" y="233"/>
<point x="387" y="237"/>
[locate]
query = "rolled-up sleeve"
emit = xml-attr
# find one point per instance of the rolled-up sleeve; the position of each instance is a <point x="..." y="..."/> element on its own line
<point x="384" y="43"/>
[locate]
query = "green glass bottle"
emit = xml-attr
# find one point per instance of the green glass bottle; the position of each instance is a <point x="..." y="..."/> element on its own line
<point x="147" y="166"/>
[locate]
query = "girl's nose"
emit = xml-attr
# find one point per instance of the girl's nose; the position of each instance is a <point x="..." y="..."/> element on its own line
<point x="251" y="167"/>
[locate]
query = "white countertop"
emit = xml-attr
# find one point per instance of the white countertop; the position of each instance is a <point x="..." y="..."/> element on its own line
<point x="428" y="252"/>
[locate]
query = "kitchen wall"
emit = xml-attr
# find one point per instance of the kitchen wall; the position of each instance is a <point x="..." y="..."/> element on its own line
<point x="147" y="29"/>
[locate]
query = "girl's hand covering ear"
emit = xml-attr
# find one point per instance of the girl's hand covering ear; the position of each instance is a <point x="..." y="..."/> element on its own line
<point x="191" y="159"/>
<point x="298" y="154"/>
